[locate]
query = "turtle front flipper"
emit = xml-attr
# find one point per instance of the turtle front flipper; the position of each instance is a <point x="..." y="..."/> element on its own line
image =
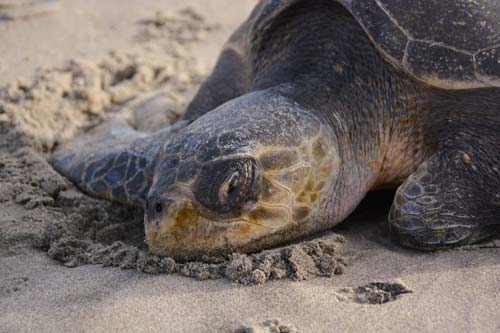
<point x="452" y="199"/>
<point x="112" y="161"/>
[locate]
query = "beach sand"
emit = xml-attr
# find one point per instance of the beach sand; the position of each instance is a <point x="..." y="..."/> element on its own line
<point x="72" y="263"/>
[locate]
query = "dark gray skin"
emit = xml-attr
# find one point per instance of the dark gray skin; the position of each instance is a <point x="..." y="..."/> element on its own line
<point x="278" y="83"/>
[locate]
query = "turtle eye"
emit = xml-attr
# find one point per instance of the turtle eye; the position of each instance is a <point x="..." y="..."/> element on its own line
<point x="227" y="186"/>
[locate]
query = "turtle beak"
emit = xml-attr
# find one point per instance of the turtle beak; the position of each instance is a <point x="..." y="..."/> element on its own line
<point x="167" y="221"/>
<point x="175" y="228"/>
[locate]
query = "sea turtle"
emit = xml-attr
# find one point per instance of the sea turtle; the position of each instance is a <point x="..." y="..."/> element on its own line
<point x="311" y="105"/>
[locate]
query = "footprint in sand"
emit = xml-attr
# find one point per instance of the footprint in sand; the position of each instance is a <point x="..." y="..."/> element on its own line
<point x="374" y="292"/>
<point x="13" y="285"/>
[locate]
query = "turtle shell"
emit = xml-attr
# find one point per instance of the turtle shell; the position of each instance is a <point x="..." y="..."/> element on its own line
<point x="451" y="44"/>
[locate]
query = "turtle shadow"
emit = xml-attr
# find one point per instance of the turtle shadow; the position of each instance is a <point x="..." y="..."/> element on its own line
<point x="367" y="227"/>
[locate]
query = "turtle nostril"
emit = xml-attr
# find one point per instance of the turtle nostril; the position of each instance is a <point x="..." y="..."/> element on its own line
<point x="158" y="207"/>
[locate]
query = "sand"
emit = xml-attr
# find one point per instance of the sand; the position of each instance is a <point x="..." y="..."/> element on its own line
<point x="69" y="262"/>
<point x="23" y="9"/>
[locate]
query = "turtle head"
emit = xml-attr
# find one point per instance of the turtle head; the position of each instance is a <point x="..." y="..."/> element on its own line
<point x="244" y="176"/>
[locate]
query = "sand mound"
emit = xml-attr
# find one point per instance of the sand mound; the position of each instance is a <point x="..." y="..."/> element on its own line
<point x="149" y="87"/>
<point x="75" y="243"/>
<point x="58" y="102"/>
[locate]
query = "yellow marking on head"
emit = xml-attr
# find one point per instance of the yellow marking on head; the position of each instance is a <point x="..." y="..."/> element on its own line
<point x="272" y="193"/>
<point x="319" y="185"/>
<point x="309" y="184"/>
<point x="278" y="159"/>
<point x="303" y="152"/>
<point x="319" y="151"/>
<point x="302" y="197"/>
<point x="300" y="213"/>
<point x="185" y="222"/>
<point x="306" y="181"/>
<point x="271" y="217"/>
<point x="293" y="179"/>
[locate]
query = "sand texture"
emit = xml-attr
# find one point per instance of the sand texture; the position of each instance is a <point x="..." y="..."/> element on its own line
<point x="69" y="262"/>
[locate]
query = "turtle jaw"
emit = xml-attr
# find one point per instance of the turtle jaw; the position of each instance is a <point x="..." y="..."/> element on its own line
<point x="183" y="233"/>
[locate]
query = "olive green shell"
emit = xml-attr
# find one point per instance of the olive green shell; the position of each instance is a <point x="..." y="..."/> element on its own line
<point x="451" y="44"/>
